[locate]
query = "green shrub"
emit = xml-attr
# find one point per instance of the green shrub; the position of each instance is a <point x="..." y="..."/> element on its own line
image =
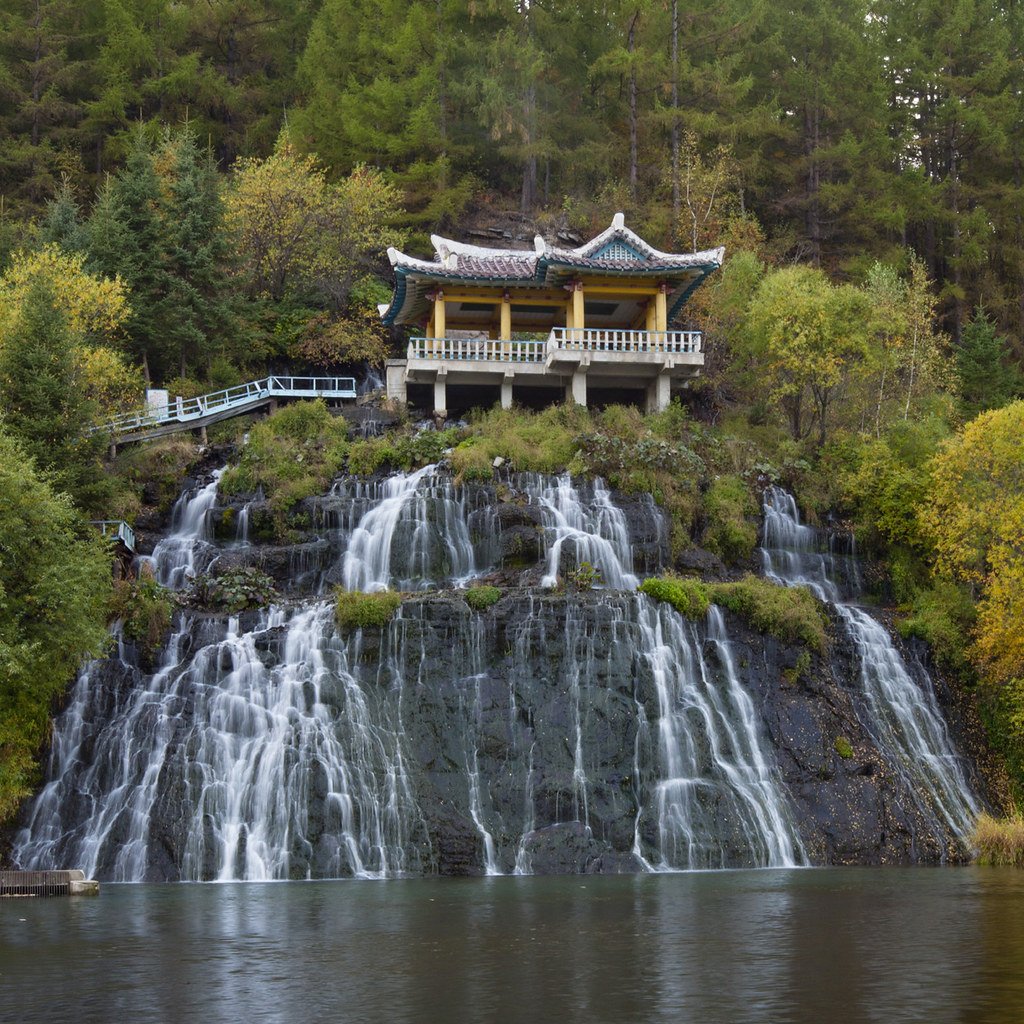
<point x="144" y="608"/>
<point x="943" y="617"/>
<point x="541" y="442"/>
<point x="481" y="598"/>
<point x="799" y="670"/>
<point x="233" y="590"/>
<point x="730" y="515"/>
<point x="354" y="609"/>
<point x="292" y="455"/>
<point x="844" y="748"/>
<point x="366" y="457"/>
<point x="999" y="842"/>
<point x="153" y="473"/>
<point x="792" y="614"/>
<point x="584" y="577"/>
<point x="688" y="596"/>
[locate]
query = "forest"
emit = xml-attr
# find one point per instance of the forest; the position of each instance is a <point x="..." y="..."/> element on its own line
<point x="194" y="193"/>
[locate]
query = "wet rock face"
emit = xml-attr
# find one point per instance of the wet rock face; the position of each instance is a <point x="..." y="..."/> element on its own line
<point x="529" y="737"/>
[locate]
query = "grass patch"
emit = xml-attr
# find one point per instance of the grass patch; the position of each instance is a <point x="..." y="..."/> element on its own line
<point x="791" y="614"/>
<point x="481" y="598"/>
<point x="730" y="515"/>
<point x="943" y="617"/>
<point x="354" y="609"/>
<point x="843" y="747"/>
<point x="144" y="608"/>
<point x="151" y="474"/>
<point x="540" y="442"/>
<point x="402" y="451"/>
<point x="292" y="455"/>
<point x="999" y="841"/>
<point x="689" y="597"/>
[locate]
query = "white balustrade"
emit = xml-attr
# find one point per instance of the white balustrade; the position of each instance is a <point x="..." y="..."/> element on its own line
<point x="609" y="339"/>
<point x="516" y="350"/>
<point x="597" y="339"/>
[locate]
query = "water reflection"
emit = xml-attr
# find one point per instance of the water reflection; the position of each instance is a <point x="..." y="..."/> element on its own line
<point x="821" y="945"/>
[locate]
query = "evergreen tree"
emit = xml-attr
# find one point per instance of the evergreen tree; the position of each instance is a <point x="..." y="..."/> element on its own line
<point x="62" y="221"/>
<point x="44" y="400"/>
<point x="196" y="311"/>
<point x="42" y="76"/>
<point x="826" y="169"/>
<point x="949" y="79"/>
<point x="126" y="238"/>
<point x="987" y="380"/>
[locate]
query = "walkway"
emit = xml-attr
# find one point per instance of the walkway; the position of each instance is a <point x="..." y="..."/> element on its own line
<point x="195" y="413"/>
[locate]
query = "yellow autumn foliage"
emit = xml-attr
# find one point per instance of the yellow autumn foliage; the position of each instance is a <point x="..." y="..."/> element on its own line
<point x="94" y="306"/>
<point x="974" y="517"/>
<point x="110" y="380"/>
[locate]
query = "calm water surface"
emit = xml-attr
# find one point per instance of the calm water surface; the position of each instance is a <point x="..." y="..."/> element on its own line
<point x="835" y="946"/>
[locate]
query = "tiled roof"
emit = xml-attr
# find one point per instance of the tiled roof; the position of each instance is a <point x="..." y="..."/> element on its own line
<point x="459" y="261"/>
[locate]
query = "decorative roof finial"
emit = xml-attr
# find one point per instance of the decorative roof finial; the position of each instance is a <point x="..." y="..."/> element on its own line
<point x="619" y="220"/>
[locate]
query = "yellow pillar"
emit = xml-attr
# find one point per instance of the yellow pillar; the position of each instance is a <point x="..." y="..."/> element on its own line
<point x="568" y="313"/>
<point x="652" y="318"/>
<point x="577" y="305"/>
<point x="661" y="309"/>
<point x="506" y="318"/>
<point x="439" y="315"/>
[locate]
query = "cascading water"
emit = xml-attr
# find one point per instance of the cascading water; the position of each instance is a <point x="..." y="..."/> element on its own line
<point x="430" y="524"/>
<point x="186" y="550"/>
<point x="719" y="803"/>
<point x="898" y="710"/>
<point x="592" y="730"/>
<point x="592" y="525"/>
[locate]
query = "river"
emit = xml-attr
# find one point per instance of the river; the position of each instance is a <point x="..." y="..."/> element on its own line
<point x="822" y="945"/>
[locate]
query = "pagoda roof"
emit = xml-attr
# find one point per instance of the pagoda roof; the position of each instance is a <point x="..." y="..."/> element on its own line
<point x="617" y="251"/>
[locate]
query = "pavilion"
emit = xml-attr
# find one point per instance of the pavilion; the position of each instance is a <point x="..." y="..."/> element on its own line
<point x="604" y="315"/>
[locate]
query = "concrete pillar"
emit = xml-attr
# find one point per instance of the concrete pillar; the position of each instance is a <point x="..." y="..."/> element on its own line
<point x="203" y="436"/>
<point x="397" y="390"/>
<point x="441" y="395"/>
<point x="576" y="391"/>
<point x="113" y="451"/>
<point x="506" y="391"/>
<point x="659" y="393"/>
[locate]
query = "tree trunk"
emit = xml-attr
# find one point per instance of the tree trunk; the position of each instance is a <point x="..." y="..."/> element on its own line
<point x="675" y="112"/>
<point x="634" y="116"/>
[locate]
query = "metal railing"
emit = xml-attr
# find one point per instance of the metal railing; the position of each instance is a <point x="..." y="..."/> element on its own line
<point x="116" y="528"/>
<point x="508" y="351"/>
<point x="605" y="339"/>
<point x="183" y="410"/>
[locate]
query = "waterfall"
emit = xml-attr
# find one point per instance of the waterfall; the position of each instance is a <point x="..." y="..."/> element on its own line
<point x="420" y="524"/>
<point x="899" y="711"/>
<point x="261" y="758"/>
<point x="718" y="803"/>
<point x="589" y="523"/>
<point x="180" y="555"/>
<point x="588" y="730"/>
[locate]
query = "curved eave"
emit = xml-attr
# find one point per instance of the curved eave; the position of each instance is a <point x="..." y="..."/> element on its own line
<point x="690" y="288"/>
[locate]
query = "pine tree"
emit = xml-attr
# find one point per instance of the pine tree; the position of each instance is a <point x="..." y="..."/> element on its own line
<point x="987" y="379"/>
<point x="196" y="311"/>
<point x="62" y="221"/>
<point x="126" y="238"/>
<point x="43" y="72"/>
<point x="44" y="402"/>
